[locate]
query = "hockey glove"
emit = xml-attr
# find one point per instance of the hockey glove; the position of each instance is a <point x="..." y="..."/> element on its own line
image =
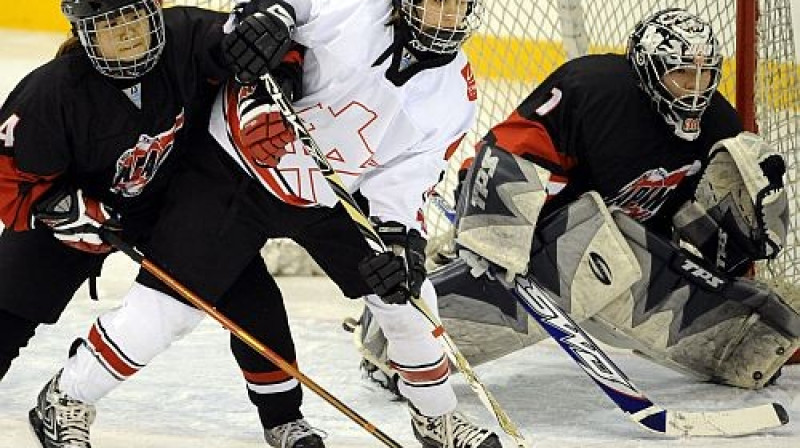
<point x="76" y="220"/>
<point x="263" y="130"/>
<point x="258" y="35"/>
<point x="396" y="275"/>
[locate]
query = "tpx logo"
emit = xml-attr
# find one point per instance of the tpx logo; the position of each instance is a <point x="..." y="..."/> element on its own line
<point x="480" y="187"/>
<point x="137" y="166"/>
<point x="695" y="270"/>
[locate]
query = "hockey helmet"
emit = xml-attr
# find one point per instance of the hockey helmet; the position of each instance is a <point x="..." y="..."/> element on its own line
<point x="439" y="26"/>
<point x="112" y="33"/>
<point x="673" y="41"/>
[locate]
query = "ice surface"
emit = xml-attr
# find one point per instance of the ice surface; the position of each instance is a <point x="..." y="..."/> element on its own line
<point x="193" y="395"/>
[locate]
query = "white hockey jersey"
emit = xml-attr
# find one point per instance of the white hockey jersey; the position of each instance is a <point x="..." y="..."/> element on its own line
<point x="386" y="141"/>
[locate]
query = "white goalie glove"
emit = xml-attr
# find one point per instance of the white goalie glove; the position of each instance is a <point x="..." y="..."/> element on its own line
<point x="740" y="211"/>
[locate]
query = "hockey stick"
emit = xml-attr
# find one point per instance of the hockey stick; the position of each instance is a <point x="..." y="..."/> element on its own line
<point x="600" y="368"/>
<point x="244" y="336"/>
<point x="376" y="244"/>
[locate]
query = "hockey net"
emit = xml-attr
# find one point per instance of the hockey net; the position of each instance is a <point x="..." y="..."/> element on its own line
<point x="522" y="41"/>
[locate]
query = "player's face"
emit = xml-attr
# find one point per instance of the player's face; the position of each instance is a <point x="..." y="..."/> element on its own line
<point x="443" y="13"/>
<point x="125" y="37"/>
<point x="687" y="81"/>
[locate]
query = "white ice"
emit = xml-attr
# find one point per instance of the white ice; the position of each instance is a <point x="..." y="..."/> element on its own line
<point x="193" y="395"/>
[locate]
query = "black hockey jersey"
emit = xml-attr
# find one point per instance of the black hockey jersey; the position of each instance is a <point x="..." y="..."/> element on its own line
<point x="66" y="124"/>
<point x="593" y="128"/>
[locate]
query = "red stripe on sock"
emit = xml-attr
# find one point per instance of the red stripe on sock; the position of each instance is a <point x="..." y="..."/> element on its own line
<point x="264" y="378"/>
<point x="109" y="355"/>
<point x="434" y="374"/>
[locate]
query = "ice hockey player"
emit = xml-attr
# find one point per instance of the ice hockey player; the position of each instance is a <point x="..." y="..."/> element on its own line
<point x="593" y="174"/>
<point x="89" y="136"/>
<point x="387" y="92"/>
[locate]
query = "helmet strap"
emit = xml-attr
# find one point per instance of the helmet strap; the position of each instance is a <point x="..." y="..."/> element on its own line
<point x="407" y="61"/>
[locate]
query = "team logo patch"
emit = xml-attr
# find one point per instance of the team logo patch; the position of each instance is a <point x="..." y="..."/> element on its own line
<point x="472" y="88"/>
<point x="643" y="197"/>
<point x="137" y="166"/>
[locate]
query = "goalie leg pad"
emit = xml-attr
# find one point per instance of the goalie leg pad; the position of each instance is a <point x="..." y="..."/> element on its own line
<point x="498" y="208"/>
<point x="689" y="317"/>
<point x="580" y="255"/>
<point x="577" y="253"/>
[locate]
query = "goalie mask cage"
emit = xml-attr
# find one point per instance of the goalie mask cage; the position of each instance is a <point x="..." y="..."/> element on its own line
<point x="522" y="41"/>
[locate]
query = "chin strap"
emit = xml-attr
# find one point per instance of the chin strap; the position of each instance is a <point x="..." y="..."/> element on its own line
<point x="407" y="61"/>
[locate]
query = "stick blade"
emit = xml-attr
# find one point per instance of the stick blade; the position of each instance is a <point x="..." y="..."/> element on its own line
<point x="735" y="422"/>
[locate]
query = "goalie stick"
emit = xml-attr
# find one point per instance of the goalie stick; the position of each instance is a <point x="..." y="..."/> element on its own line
<point x="577" y="343"/>
<point x="377" y="245"/>
<point x="617" y="386"/>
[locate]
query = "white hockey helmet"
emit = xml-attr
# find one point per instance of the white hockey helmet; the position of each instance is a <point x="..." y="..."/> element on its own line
<point x="125" y="50"/>
<point x="670" y="41"/>
<point x="440" y="26"/>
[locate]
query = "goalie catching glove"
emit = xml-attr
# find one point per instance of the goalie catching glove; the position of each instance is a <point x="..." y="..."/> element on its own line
<point x="258" y="35"/>
<point x="397" y="274"/>
<point x="740" y="211"/>
<point x="76" y="220"/>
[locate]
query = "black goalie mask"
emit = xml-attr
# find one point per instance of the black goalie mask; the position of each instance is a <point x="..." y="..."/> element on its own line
<point x="122" y="38"/>
<point x="677" y="60"/>
<point x="439" y="26"/>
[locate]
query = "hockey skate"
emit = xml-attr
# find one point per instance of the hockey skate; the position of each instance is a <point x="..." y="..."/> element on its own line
<point x="59" y="421"/>
<point x="295" y="434"/>
<point x="371" y="343"/>
<point x="451" y="430"/>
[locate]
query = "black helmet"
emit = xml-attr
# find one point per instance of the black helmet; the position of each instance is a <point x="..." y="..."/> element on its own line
<point x="668" y="41"/>
<point x="90" y="18"/>
<point x="443" y="37"/>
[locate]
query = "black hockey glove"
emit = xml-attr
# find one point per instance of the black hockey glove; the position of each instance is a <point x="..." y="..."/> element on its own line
<point x="258" y="35"/>
<point x="76" y="220"/>
<point x="398" y="274"/>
